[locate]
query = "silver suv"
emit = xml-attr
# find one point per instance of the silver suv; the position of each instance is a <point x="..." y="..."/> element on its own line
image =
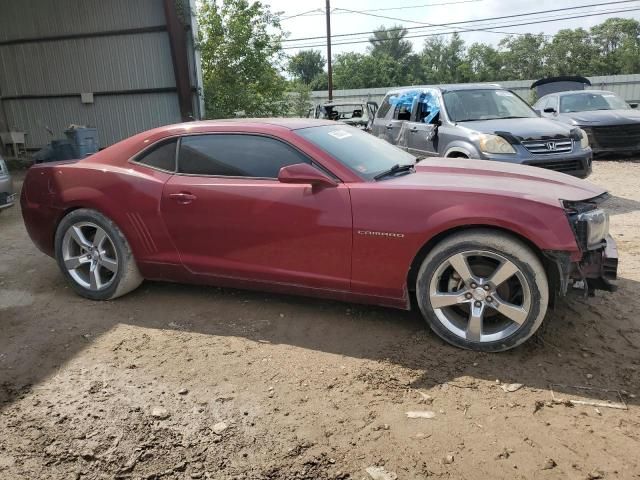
<point x="480" y="121"/>
<point x="7" y="197"/>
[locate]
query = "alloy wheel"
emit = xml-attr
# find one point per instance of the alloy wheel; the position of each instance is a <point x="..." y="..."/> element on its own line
<point x="89" y="255"/>
<point x="480" y="296"/>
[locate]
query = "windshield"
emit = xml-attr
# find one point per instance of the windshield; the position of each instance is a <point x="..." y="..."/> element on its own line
<point x="344" y="112"/>
<point x="468" y="105"/>
<point x="584" y="102"/>
<point x="361" y="152"/>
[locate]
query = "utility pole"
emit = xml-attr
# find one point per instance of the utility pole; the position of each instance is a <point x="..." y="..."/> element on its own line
<point x="330" y="72"/>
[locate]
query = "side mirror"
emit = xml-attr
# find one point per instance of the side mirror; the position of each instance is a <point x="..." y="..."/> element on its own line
<point x="633" y="105"/>
<point x="303" y="173"/>
<point x="549" y="110"/>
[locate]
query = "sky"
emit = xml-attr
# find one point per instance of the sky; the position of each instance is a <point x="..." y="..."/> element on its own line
<point x="435" y="12"/>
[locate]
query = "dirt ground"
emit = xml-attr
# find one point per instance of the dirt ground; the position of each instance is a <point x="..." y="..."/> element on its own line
<point x="181" y="382"/>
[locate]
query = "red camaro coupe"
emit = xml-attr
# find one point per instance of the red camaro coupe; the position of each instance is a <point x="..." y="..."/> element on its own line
<point x="324" y="209"/>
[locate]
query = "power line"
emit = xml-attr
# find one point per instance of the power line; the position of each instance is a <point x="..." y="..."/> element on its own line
<point x="485" y="26"/>
<point x="468" y="21"/>
<point x="480" y="29"/>
<point x="302" y="14"/>
<point x="416" y="6"/>
<point x="420" y="23"/>
<point x="398" y="8"/>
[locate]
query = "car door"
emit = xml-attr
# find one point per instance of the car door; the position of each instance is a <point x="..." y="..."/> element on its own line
<point x="372" y="109"/>
<point x="229" y="216"/>
<point x="422" y="131"/>
<point x="392" y="118"/>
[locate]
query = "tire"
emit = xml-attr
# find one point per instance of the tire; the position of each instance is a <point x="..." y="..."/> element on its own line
<point x="94" y="256"/>
<point x="495" y="297"/>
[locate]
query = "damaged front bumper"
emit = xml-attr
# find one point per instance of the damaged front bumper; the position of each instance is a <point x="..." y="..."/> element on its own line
<point x="597" y="270"/>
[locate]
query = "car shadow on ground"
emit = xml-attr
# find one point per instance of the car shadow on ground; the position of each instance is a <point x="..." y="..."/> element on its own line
<point x="619" y="205"/>
<point x="584" y="342"/>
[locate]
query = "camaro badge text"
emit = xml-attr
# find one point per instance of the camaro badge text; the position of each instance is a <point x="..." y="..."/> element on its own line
<point x="380" y="234"/>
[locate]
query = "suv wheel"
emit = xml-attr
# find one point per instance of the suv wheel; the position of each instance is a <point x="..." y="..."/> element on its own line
<point x="483" y="290"/>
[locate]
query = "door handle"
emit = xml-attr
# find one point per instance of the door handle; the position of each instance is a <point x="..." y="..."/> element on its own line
<point x="413" y="129"/>
<point x="389" y="126"/>
<point x="183" y="197"/>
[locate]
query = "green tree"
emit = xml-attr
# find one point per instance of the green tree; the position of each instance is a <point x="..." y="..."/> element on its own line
<point x="357" y="70"/>
<point x="433" y="59"/>
<point x="570" y="52"/>
<point x="484" y="62"/>
<point x="300" y="101"/>
<point x="523" y="56"/>
<point x="354" y="70"/>
<point x="320" y="82"/>
<point x="390" y="42"/>
<point x="617" y="41"/>
<point x="456" y="60"/>
<point x="306" y="65"/>
<point x="444" y="61"/>
<point x="240" y="45"/>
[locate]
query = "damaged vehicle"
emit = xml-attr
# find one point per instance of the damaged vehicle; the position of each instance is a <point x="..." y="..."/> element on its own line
<point x="356" y="114"/>
<point x="7" y="197"/>
<point x="480" y="121"/>
<point x="311" y="207"/>
<point x="612" y="125"/>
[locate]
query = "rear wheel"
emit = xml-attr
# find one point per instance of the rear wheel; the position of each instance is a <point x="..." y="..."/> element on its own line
<point x="94" y="256"/>
<point x="483" y="290"/>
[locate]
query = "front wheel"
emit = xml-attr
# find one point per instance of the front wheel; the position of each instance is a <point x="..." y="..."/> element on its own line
<point x="94" y="256"/>
<point x="483" y="290"/>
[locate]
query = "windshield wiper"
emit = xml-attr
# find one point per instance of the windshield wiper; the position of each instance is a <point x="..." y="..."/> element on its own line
<point x="492" y="118"/>
<point x="397" y="168"/>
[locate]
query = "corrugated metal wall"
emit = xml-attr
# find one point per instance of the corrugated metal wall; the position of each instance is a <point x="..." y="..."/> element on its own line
<point x="626" y="86"/>
<point x="116" y="117"/>
<point x="47" y="18"/>
<point x="100" y="64"/>
<point x="132" y="75"/>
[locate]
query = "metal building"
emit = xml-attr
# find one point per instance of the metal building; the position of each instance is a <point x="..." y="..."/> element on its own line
<point x="123" y="66"/>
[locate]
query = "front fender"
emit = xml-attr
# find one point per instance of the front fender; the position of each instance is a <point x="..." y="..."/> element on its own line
<point x="460" y="146"/>
<point x="547" y="231"/>
<point x="380" y="263"/>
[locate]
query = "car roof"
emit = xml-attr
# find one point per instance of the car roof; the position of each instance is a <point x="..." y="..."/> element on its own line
<point x="451" y="87"/>
<point x="287" y="123"/>
<point x="573" y="92"/>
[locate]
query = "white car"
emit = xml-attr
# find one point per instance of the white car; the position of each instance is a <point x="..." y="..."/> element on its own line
<point x="7" y="197"/>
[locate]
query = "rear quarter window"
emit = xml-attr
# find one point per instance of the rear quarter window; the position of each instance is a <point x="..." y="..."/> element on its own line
<point x="161" y="156"/>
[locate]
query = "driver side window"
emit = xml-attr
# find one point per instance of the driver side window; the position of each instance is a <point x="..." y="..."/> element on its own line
<point x="403" y="104"/>
<point x="428" y="108"/>
<point x="236" y="155"/>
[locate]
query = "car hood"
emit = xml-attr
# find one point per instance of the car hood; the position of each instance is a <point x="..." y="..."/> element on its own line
<point x="601" y="117"/>
<point x="497" y="178"/>
<point x="521" y="128"/>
